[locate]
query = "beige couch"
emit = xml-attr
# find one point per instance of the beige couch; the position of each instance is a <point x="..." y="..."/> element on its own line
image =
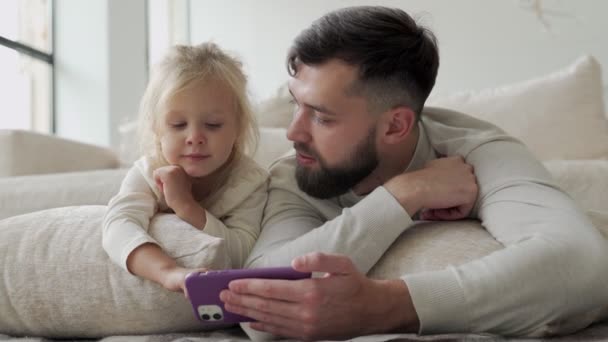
<point x="561" y="117"/>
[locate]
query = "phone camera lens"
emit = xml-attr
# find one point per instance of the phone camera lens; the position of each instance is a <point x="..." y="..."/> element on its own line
<point x="206" y="317"/>
<point x="217" y="316"/>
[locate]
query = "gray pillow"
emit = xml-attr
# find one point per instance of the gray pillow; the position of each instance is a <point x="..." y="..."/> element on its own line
<point x="57" y="280"/>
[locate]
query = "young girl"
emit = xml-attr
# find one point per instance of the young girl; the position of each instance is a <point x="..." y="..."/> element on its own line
<point x="195" y="125"/>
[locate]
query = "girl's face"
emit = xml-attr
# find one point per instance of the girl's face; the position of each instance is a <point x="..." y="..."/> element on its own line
<point x="199" y="128"/>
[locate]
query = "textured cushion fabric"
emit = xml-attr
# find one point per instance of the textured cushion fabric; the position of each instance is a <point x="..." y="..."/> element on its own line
<point x="429" y="246"/>
<point x="57" y="281"/>
<point x="26" y="152"/>
<point x="559" y="116"/>
<point x="25" y="194"/>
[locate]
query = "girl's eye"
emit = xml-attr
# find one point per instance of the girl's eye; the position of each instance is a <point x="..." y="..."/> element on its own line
<point x="214" y="126"/>
<point x="178" y="125"/>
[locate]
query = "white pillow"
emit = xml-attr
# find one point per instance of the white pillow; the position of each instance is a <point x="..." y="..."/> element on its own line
<point x="559" y="116"/>
<point x="57" y="280"/>
<point x="586" y="181"/>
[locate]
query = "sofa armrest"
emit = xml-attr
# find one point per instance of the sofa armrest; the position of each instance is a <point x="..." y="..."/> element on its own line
<point x="27" y="153"/>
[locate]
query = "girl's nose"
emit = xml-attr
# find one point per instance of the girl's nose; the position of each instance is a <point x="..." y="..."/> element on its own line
<point x="196" y="137"/>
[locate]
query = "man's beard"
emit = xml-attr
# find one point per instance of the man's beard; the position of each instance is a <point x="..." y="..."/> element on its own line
<point x="330" y="182"/>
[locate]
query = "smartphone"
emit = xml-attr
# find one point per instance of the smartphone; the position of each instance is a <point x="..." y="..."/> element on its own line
<point x="204" y="290"/>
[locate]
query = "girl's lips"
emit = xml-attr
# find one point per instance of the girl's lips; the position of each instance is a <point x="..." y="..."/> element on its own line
<point x="197" y="156"/>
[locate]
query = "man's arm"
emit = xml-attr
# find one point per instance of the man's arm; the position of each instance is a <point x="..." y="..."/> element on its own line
<point x="552" y="255"/>
<point x="295" y="224"/>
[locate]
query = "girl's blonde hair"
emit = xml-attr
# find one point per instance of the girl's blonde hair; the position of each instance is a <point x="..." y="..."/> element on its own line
<point x="181" y="68"/>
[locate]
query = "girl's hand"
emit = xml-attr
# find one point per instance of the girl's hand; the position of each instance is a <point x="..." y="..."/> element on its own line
<point x="176" y="186"/>
<point x="174" y="279"/>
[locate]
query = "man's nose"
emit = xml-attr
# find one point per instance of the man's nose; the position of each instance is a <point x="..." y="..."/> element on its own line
<point x="299" y="128"/>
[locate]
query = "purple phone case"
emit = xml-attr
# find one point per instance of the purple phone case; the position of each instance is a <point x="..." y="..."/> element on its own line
<point x="204" y="290"/>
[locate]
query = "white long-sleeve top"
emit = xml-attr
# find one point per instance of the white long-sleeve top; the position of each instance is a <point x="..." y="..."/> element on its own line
<point x="554" y="264"/>
<point x="234" y="213"/>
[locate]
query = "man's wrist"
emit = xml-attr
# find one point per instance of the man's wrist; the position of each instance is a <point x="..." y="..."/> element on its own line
<point x="405" y="192"/>
<point x="401" y="315"/>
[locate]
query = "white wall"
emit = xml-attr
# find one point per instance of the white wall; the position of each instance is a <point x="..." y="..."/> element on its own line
<point x="482" y="42"/>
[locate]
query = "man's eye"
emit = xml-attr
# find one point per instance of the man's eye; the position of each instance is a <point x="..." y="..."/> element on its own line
<point x="320" y="120"/>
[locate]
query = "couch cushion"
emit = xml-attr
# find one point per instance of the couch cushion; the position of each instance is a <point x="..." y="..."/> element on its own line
<point x="57" y="281"/>
<point x="25" y="194"/>
<point x="20" y="154"/>
<point x="276" y="111"/>
<point x="586" y="181"/>
<point x="272" y="145"/>
<point x="559" y="116"/>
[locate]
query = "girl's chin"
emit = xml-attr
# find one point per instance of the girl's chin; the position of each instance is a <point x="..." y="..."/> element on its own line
<point x="196" y="172"/>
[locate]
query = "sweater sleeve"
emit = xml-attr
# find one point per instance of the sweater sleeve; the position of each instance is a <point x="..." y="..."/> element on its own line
<point x="552" y="266"/>
<point x="240" y="227"/>
<point x="294" y="226"/>
<point x="125" y="225"/>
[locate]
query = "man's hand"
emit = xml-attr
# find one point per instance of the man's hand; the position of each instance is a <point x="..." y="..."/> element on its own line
<point x="341" y="304"/>
<point x="445" y="189"/>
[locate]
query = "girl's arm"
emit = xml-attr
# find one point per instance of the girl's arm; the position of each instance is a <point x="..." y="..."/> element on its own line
<point x="151" y="262"/>
<point x="125" y="231"/>
<point x="126" y="222"/>
<point x="239" y="210"/>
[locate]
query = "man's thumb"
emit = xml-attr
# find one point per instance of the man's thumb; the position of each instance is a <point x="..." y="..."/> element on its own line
<point x="322" y="262"/>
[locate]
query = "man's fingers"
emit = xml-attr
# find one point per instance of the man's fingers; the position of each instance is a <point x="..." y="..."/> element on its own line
<point x="448" y="214"/>
<point x="287" y="290"/>
<point x="261" y="309"/>
<point x="322" y="262"/>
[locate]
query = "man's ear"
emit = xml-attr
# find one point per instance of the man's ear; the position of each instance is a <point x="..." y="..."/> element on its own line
<point x="397" y="124"/>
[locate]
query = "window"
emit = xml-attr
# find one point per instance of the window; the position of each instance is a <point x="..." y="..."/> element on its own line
<point x="168" y="24"/>
<point x="26" y="65"/>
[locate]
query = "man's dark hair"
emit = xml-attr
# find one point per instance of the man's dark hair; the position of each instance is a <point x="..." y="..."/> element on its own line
<point x="397" y="59"/>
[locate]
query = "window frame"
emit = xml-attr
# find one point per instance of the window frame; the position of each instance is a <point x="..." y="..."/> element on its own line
<point x="48" y="58"/>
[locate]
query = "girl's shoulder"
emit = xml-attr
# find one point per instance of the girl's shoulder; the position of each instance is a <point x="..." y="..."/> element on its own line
<point x="247" y="179"/>
<point x="248" y="170"/>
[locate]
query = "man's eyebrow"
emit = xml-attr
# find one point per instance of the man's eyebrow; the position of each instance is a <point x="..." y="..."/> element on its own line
<point x="318" y="108"/>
